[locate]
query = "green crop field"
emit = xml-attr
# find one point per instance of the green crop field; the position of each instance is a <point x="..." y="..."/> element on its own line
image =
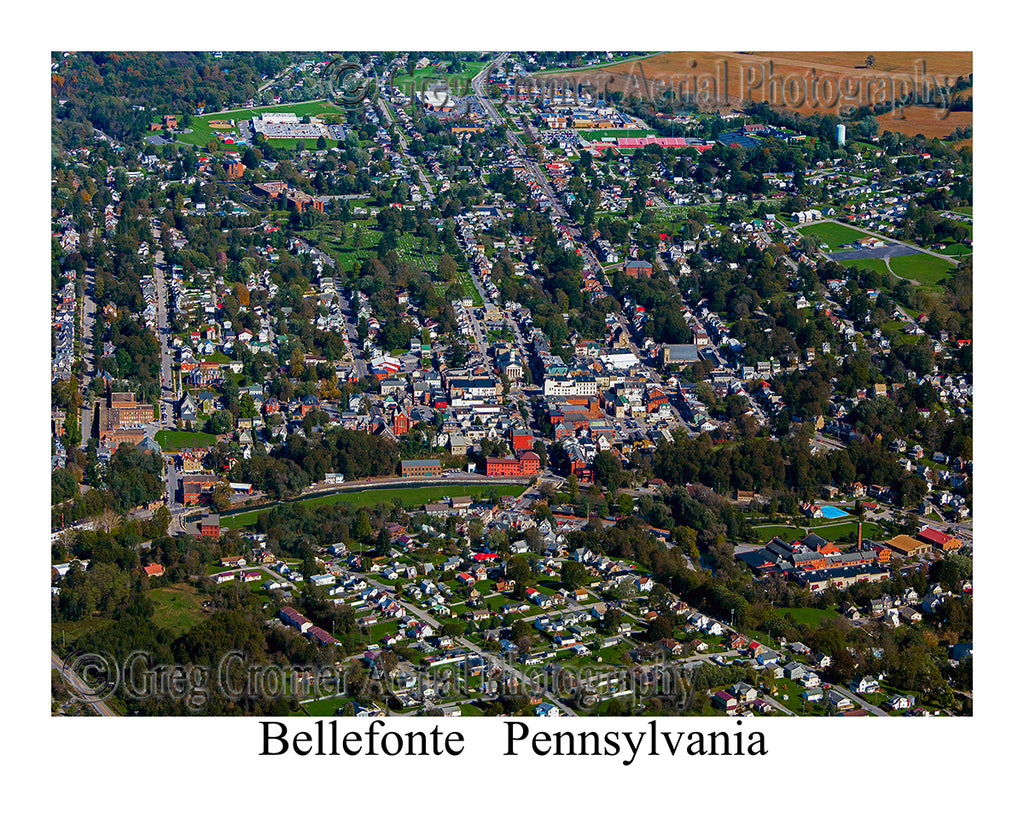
<point x="832" y="234"/>
<point x="171" y="439"/>
<point x="411" y="497"/>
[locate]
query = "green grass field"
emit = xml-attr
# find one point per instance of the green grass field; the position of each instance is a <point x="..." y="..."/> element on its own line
<point x="595" y="134"/>
<point x="807" y="615"/>
<point x="845" y="532"/>
<point x="923" y="268"/>
<point x="323" y="708"/>
<point x="956" y="250"/>
<point x="832" y="234"/>
<point x="877" y="265"/>
<point x="170" y="439"/>
<point x="459" y="82"/>
<point x="412" y="497"/>
<point x="787" y="533"/>
<point x="177" y="607"/>
<point x="596" y="66"/>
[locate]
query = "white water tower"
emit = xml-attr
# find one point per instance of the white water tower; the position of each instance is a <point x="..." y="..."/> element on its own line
<point x="841" y="134"/>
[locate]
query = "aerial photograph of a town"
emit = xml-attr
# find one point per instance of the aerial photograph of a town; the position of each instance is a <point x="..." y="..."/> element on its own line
<point x="511" y="383"/>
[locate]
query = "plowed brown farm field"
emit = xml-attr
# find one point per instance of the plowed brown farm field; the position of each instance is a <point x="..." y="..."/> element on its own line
<point x="785" y="78"/>
<point x="929" y="122"/>
<point x="943" y="63"/>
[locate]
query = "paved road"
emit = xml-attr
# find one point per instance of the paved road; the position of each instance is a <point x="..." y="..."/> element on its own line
<point x="776" y="704"/>
<point x="88" y="349"/>
<point x="79" y="685"/>
<point x="351" y="331"/>
<point x="88" y="322"/>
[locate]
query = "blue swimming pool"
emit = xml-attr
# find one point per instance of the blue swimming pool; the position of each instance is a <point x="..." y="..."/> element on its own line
<point x="832" y="512"/>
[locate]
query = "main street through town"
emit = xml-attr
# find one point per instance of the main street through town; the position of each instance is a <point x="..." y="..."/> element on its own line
<point x="168" y="391"/>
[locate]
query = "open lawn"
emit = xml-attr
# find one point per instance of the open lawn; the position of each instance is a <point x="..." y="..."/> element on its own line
<point x="170" y="439"/>
<point x="412" y="497"/>
<point x="594" y="135"/>
<point x="846" y="532"/>
<point x="177" y="607"/>
<point x="459" y="82"/>
<point x="834" y="235"/>
<point x="923" y="268"/>
<point x="323" y="708"/>
<point x="877" y="265"/>
<point x="807" y="615"/>
<point x="787" y="533"/>
<point x="957" y="250"/>
<point x="836" y="532"/>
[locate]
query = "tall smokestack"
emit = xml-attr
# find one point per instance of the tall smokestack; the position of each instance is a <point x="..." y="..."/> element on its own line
<point x="860" y="525"/>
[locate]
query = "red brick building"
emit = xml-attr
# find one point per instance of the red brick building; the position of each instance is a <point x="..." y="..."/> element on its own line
<point x="503" y="468"/>
<point x="636" y="269"/>
<point x="527" y="464"/>
<point x="121" y="419"/>
<point x="126" y="411"/>
<point x="194" y="487"/>
<point x="209" y="526"/>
